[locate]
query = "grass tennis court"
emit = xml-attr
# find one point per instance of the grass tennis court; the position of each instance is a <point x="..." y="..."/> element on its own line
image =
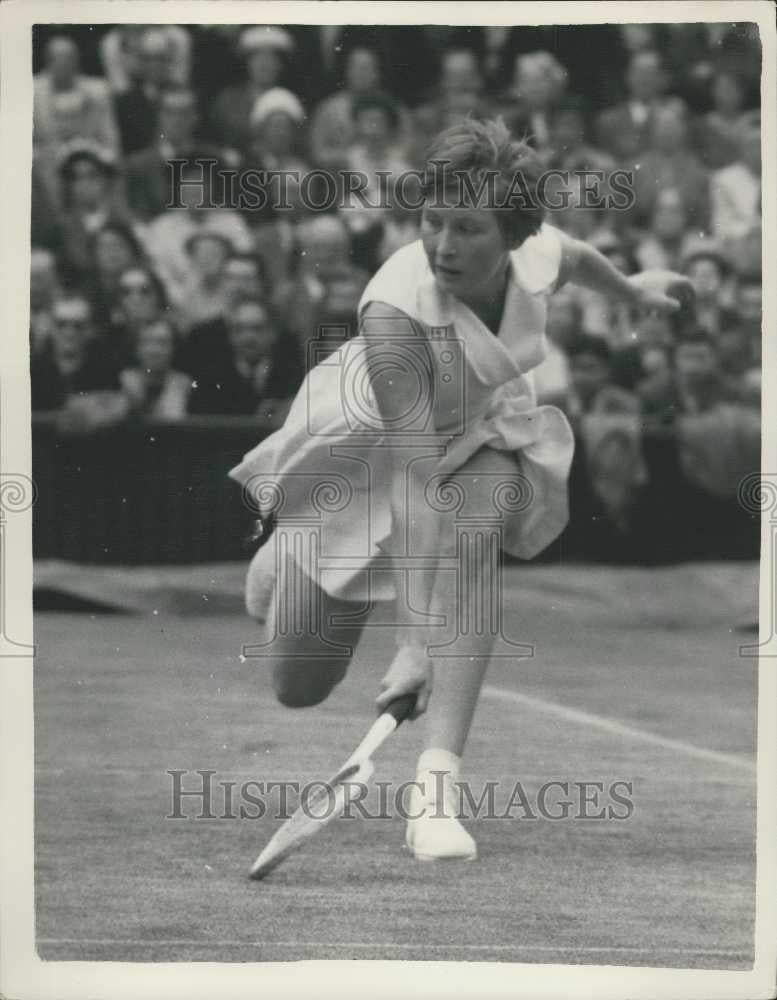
<point x="637" y="676"/>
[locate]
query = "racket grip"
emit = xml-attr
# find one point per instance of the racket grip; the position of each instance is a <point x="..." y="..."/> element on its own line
<point x="400" y="708"/>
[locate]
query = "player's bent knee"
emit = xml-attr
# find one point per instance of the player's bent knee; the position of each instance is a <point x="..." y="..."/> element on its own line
<point x="305" y="682"/>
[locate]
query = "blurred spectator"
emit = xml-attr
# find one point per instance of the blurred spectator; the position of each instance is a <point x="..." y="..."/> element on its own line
<point x="625" y="130"/>
<point x="698" y="52"/>
<point x="736" y="189"/>
<point x="73" y="363"/>
<point x="166" y="236"/>
<point x="148" y="177"/>
<point x="459" y="93"/>
<point x="115" y="250"/>
<point x="649" y="354"/>
<point x="327" y="287"/>
<point x="552" y="377"/>
<point x="204" y="293"/>
<point x="141" y="301"/>
<point x="261" y="374"/>
<point x="44" y="289"/>
<point x="332" y="125"/>
<point x="591" y="386"/>
<point x="662" y="246"/>
<point x="277" y="128"/>
<point x="376" y="155"/>
<point x="748" y="304"/>
<point x="704" y="263"/>
<point x="207" y="342"/>
<point x="90" y="202"/>
<point x="718" y="131"/>
<point x="538" y="82"/>
<point x="137" y="107"/>
<point x="121" y="54"/>
<point x="568" y="147"/>
<point x="68" y="105"/>
<point x="154" y="388"/>
<point x="265" y="49"/>
<point x="669" y="164"/>
<point x="693" y="384"/>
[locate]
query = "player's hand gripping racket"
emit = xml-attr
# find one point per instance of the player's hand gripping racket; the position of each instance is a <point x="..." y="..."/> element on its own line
<point x="308" y="819"/>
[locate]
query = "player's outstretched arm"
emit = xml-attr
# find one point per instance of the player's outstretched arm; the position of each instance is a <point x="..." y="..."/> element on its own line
<point x="662" y="291"/>
<point x="396" y="388"/>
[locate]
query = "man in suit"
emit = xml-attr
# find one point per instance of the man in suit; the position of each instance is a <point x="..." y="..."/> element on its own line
<point x="259" y="375"/>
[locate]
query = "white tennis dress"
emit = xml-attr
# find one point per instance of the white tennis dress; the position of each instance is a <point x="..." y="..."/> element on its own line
<point x="325" y="472"/>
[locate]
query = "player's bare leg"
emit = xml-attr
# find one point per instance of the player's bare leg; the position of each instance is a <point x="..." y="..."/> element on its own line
<point x="304" y="674"/>
<point x="437" y="833"/>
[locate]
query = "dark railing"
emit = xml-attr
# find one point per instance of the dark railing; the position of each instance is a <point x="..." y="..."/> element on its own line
<point x="150" y="492"/>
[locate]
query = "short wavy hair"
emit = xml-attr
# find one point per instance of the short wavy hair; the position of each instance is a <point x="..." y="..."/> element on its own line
<point x="485" y="151"/>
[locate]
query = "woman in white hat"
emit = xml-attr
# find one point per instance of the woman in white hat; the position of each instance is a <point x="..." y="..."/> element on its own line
<point x="427" y="415"/>
<point x="265" y="49"/>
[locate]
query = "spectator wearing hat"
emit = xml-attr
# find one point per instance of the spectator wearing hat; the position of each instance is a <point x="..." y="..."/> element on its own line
<point x="69" y="105"/>
<point x="137" y="107"/>
<point x="165" y="237"/>
<point x="261" y="373"/>
<point x="265" y="49"/>
<point x="90" y="202"/>
<point x="153" y="386"/>
<point x="736" y="189"/>
<point x="147" y="174"/>
<point x="276" y="124"/>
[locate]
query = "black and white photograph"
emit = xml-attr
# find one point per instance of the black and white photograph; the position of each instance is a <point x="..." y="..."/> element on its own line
<point x="388" y="499"/>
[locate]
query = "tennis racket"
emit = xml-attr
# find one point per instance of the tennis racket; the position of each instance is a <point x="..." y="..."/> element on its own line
<point x="332" y="795"/>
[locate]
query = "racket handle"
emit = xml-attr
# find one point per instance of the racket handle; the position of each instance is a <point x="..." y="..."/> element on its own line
<point x="400" y="708"/>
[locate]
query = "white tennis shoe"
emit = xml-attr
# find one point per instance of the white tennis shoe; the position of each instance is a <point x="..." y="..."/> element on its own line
<point x="433" y="831"/>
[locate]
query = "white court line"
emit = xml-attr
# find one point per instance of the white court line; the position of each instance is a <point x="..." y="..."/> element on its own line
<point x="618" y="728"/>
<point x="355" y="945"/>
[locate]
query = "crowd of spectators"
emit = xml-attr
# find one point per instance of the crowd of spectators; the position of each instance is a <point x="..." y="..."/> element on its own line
<point x="138" y="308"/>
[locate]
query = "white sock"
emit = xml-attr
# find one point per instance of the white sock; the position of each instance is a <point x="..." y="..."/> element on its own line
<point x="438" y="759"/>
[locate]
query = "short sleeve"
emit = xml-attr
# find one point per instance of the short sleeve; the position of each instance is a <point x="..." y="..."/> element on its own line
<point x="537" y="261"/>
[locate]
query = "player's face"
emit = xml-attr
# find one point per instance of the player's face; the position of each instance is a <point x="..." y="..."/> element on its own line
<point x="467" y="250"/>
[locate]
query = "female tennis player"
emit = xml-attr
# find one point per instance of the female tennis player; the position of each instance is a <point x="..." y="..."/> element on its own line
<point x="403" y="417"/>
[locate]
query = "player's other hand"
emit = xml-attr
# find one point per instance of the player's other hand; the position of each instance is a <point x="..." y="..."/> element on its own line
<point x="662" y="291"/>
<point x="410" y="673"/>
